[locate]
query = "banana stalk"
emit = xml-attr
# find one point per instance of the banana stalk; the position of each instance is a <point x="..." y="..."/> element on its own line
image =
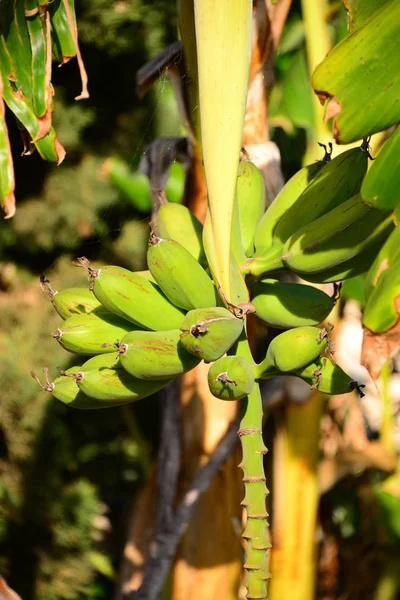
<point x="253" y="450"/>
<point x="223" y="37"/>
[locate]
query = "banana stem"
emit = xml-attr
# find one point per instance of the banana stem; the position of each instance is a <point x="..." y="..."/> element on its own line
<point x="253" y="450"/>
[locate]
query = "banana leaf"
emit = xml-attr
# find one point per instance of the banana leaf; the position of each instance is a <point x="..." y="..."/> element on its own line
<point x="7" y="183"/>
<point x="359" y="11"/>
<point x="358" y="79"/>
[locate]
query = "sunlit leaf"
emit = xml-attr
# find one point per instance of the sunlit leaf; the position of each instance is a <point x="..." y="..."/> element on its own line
<point x="360" y="11"/>
<point x="359" y="77"/>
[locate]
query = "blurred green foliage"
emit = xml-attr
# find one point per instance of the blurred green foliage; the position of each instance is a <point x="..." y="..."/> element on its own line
<point x="67" y="477"/>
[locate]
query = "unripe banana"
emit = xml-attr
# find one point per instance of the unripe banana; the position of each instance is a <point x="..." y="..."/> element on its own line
<point x="250" y="191"/>
<point x="176" y="222"/>
<point x="388" y="253"/>
<point x="133" y="297"/>
<point x="71" y="301"/>
<point x="340" y="180"/>
<point x="381" y="184"/>
<point x="284" y="305"/>
<point x="104" y="378"/>
<point x="65" y="389"/>
<point x="289" y="194"/>
<point x="231" y="378"/>
<point x="327" y="377"/>
<point x="350" y="268"/>
<point x="210" y="333"/>
<point x="382" y="310"/>
<point x="155" y="354"/>
<point x="293" y="350"/>
<point x="91" y="334"/>
<point x="343" y="233"/>
<point x="182" y="279"/>
<point x="147" y="275"/>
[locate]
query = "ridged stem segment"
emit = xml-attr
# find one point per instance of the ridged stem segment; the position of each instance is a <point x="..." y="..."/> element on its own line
<point x="253" y="449"/>
<point x="223" y="37"/>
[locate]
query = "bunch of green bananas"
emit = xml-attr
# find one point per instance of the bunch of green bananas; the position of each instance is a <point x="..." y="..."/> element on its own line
<point x="143" y="329"/>
<point x="320" y="226"/>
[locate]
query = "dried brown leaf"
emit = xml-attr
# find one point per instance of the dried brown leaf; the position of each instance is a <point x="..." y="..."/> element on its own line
<point x="378" y="347"/>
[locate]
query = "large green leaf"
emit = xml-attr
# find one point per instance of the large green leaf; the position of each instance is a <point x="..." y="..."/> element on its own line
<point x="360" y="11"/>
<point x="359" y="77"/>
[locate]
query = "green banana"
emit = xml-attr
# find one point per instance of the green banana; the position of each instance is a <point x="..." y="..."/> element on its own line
<point x="71" y="301"/>
<point x="327" y="377"/>
<point x="388" y="253"/>
<point x="284" y="305"/>
<point x="104" y="378"/>
<point x="146" y="274"/>
<point x="383" y="308"/>
<point x="132" y="297"/>
<point x="250" y="191"/>
<point x="65" y="389"/>
<point x="155" y="355"/>
<point x="343" y="233"/>
<point x="340" y="180"/>
<point x="210" y="333"/>
<point x="92" y="333"/>
<point x="182" y="279"/>
<point x="381" y="184"/>
<point x="289" y="194"/>
<point x="293" y="350"/>
<point x="231" y="378"/>
<point x="350" y="268"/>
<point x="176" y="222"/>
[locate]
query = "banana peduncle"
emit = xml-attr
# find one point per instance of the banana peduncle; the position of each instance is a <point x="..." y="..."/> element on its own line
<point x="253" y="450"/>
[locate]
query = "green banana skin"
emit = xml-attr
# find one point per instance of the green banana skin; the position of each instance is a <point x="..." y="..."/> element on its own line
<point x="384" y="176"/>
<point x="382" y="310"/>
<point x="93" y="333"/>
<point x="285" y="305"/>
<point x="73" y="301"/>
<point x="67" y="391"/>
<point x="210" y="333"/>
<point x="182" y="279"/>
<point x="327" y="377"/>
<point x="250" y="190"/>
<point x="104" y="378"/>
<point x="293" y="350"/>
<point x="388" y="253"/>
<point x="323" y="375"/>
<point x="176" y="222"/>
<point x="264" y="234"/>
<point x="155" y="354"/>
<point x="336" y="237"/>
<point x="350" y="268"/>
<point x="231" y="378"/>
<point x="133" y="297"/>
<point x="340" y="180"/>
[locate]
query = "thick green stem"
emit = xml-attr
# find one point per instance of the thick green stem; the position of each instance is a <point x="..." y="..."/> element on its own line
<point x="253" y="448"/>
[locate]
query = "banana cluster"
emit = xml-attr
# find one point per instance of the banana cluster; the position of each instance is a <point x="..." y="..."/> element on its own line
<point x="140" y="330"/>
